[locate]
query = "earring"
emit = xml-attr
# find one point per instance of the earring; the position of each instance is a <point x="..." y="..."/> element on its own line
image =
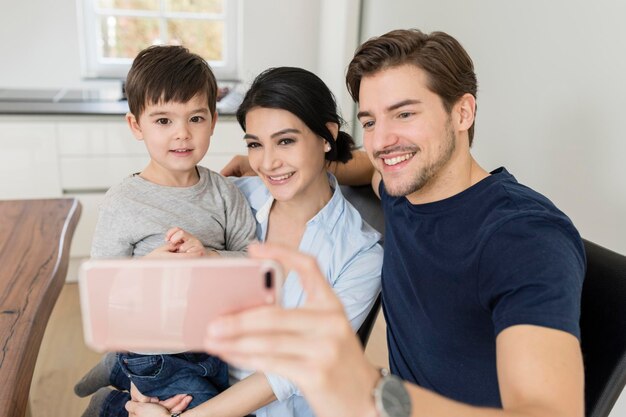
<point x="327" y="147"/>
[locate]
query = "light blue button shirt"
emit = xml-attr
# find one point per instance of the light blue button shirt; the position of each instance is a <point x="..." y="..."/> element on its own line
<point x="349" y="256"/>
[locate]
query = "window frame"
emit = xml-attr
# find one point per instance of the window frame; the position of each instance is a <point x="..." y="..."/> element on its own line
<point x="117" y="68"/>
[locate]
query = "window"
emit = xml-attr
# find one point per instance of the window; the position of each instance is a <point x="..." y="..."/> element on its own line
<point x="114" y="31"/>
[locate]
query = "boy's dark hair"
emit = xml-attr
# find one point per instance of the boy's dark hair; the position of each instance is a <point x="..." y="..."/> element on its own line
<point x="304" y="95"/>
<point x="448" y="67"/>
<point x="168" y="73"/>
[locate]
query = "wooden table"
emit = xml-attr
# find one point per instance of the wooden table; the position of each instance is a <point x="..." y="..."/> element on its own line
<point x="35" y="237"/>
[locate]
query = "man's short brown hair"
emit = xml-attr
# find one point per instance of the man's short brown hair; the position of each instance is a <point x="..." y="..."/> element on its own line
<point x="168" y="73"/>
<point x="449" y="69"/>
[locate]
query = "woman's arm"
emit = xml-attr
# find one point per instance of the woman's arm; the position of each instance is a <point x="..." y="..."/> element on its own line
<point x="241" y="399"/>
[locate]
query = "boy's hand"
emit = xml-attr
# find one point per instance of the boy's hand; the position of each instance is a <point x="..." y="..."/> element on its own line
<point x="184" y="242"/>
<point x="170" y="251"/>
<point x="239" y="166"/>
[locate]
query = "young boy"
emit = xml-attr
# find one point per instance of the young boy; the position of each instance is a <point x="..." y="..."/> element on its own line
<point x="172" y="99"/>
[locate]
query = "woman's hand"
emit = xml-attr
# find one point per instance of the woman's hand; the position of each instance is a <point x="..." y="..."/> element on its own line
<point x="239" y="166"/>
<point x="314" y="345"/>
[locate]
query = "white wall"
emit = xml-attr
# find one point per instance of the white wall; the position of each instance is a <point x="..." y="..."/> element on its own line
<point x="551" y="98"/>
<point x="551" y="95"/>
<point x="39" y="45"/>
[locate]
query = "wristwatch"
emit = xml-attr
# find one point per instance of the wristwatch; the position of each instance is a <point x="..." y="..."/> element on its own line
<point x="391" y="397"/>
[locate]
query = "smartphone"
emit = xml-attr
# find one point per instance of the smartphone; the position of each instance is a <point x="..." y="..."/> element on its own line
<point x="157" y="305"/>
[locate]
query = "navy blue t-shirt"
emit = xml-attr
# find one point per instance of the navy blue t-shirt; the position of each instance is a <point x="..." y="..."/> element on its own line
<point x="458" y="271"/>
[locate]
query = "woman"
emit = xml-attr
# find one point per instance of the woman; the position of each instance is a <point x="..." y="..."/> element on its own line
<point x="292" y="131"/>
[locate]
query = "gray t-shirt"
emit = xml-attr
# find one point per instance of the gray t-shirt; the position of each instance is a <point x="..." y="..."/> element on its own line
<point x="136" y="214"/>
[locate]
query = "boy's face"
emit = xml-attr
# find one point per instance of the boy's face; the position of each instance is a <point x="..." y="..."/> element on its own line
<point x="177" y="137"/>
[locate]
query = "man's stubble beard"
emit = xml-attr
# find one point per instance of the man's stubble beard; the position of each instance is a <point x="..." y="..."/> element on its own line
<point x="426" y="174"/>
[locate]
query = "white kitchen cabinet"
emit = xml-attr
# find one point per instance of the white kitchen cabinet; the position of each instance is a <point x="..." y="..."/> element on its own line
<point x="29" y="165"/>
<point x="94" y="155"/>
<point x="82" y="157"/>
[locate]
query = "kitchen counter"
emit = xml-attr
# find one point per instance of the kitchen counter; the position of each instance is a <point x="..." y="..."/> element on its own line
<point x="70" y="108"/>
<point x="83" y="102"/>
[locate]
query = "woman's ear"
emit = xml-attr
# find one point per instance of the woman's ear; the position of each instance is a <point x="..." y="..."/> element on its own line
<point x="333" y="128"/>
<point x="133" y="124"/>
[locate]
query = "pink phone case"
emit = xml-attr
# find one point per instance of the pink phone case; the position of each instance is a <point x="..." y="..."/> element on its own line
<point x="148" y="305"/>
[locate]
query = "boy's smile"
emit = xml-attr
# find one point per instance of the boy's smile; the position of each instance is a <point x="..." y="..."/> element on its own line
<point x="177" y="136"/>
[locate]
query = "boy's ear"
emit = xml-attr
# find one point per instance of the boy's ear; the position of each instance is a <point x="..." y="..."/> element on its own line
<point x="133" y="124"/>
<point x="213" y="121"/>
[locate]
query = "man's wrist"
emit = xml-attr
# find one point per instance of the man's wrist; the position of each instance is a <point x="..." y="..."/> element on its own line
<point x="391" y="398"/>
<point x="373" y="378"/>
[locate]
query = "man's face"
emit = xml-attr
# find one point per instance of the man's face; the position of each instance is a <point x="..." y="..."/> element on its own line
<point x="408" y="134"/>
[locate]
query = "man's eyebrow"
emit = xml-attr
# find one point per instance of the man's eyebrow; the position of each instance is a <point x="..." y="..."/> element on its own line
<point x="402" y="104"/>
<point x="391" y="108"/>
<point x="363" y="113"/>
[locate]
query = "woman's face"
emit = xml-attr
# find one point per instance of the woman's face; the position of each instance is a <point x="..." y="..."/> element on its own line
<point x="285" y="153"/>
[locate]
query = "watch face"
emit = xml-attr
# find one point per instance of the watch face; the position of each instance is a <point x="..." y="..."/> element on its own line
<point x="395" y="400"/>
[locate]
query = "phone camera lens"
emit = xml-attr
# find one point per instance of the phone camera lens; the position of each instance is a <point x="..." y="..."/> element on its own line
<point x="268" y="279"/>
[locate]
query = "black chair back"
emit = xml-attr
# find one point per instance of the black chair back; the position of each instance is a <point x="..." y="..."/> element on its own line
<point x="368" y="205"/>
<point x="603" y="329"/>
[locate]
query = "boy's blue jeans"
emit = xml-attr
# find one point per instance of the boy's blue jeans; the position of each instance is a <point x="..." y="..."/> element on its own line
<point x="197" y="374"/>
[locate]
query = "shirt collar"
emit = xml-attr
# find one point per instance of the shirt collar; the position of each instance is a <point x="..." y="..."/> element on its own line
<point x="326" y="217"/>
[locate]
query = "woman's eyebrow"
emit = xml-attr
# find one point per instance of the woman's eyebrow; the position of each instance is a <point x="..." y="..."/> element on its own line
<point x="273" y="135"/>
<point x="282" y="132"/>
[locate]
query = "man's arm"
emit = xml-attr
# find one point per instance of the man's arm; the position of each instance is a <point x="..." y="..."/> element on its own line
<point x="540" y="374"/>
<point x="539" y="369"/>
<point x="357" y="171"/>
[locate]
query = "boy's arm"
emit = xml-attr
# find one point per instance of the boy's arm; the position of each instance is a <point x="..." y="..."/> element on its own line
<point x="111" y="238"/>
<point x="241" y="399"/>
<point x="240" y="226"/>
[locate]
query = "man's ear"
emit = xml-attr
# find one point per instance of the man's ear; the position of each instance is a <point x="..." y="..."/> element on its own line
<point x="464" y="112"/>
<point x="333" y="128"/>
<point x="133" y="124"/>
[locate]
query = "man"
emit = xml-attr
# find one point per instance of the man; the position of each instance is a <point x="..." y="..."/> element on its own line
<point x="481" y="276"/>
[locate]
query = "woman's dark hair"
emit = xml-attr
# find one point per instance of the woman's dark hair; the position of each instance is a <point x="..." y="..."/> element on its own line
<point x="305" y="95"/>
